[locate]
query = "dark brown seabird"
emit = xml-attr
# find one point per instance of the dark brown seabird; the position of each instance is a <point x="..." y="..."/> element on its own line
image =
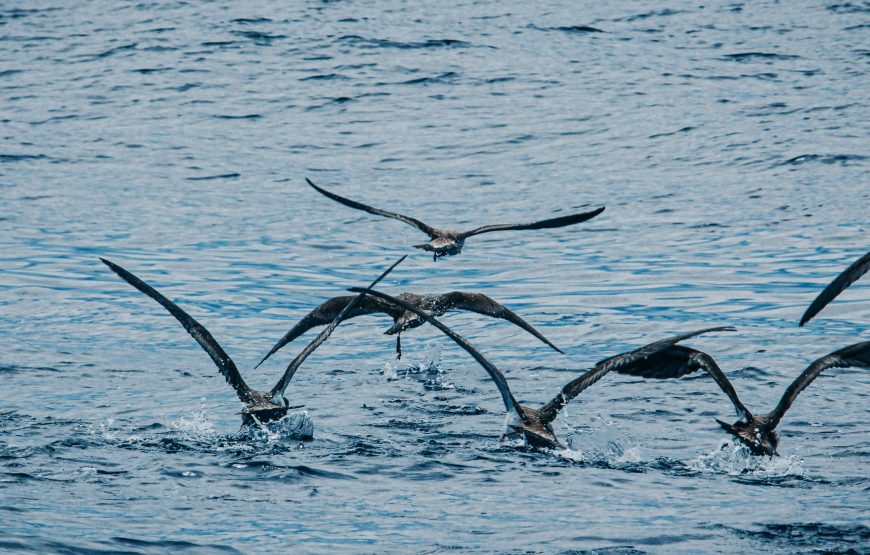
<point x="445" y="242"/>
<point x="260" y="406"/>
<point x="849" y="276"/>
<point x="436" y="305"/>
<point x="756" y="432"/>
<point x="535" y="425"/>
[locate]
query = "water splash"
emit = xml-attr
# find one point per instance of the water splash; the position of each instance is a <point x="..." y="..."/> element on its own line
<point x="295" y="426"/>
<point x="604" y="442"/>
<point x="428" y="370"/>
<point x="196" y="426"/>
<point x="107" y="431"/>
<point x="735" y="459"/>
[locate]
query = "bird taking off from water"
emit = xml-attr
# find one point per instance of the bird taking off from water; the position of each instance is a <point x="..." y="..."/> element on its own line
<point x="535" y="425"/>
<point x="445" y="242"/>
<point x="756" y="432"/>
<point x="260" y="406"/>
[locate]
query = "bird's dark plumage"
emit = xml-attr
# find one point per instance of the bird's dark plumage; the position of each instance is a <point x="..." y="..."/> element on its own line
<point x="840" y="283"/>
<point x="757" y="432"/>
<point x="403" y="319"/>
<point x="259" y="405"/>
<point x="536" y="424"/>
<point x="446" y="242"/>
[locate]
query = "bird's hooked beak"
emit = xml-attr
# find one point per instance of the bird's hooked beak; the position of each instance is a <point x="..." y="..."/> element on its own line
<point x="727" y="427"/>
<point x="284" y="402"/>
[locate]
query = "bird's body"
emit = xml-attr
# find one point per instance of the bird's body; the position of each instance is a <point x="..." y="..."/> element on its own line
<point x="445" y="242"/>
<point x="535" y="425"/>
<point x="403" y="320"/>
<point x="758" y="433"/>
<point x="260" y="406"/>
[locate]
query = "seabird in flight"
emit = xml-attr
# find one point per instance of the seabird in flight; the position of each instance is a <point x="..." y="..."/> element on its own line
<point x="436" y="305"/>
<point x="756" y="432"/>
<point x="260" y="406"/>
<point x="445" y="242"/>
<point x="535" y="425"/>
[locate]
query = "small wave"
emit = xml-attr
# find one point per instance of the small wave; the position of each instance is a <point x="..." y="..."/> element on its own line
<point x="250" y="20"/>
<point x="646" y="15"/>
<point x="111" y="52"/>
<point x="816" y="535"/>
<point x="571" y="29"/>
<point x="384" y="43"/>
<point x="5" y="158"/>
<point x="220" y="43"/>
<point x="231" y="116"/>
<point x="747" y="56"/>
<point x="213" y="177"/>
<point x="448" y="77"/>
<point x="669" y="133"/>
<point x="167" y="546"/>
<point x="259" y="37"/>
<point x="848" y="7"/>
<point x="324" y="77"/>
<point x="841" y="159"/>
<point x="578" y="29"/>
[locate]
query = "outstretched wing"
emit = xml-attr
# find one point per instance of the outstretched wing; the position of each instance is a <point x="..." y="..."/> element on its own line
<point x="853" y="355"/>
<point x="618" y="363"/>
<point x="840" y="283"/>
<point x="543" y="224"/>
<point x="196" y="330"/>
<point x="279" y="388"/>
<point x="510" y="402"/>
<point x="324" y="314"/>
<point x="676" y="361"/>
<point x="481" y="304"/>
<point x="360" y="206"/>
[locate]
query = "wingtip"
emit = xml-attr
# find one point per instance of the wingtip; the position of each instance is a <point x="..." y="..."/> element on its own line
<point x="311" y="183"/>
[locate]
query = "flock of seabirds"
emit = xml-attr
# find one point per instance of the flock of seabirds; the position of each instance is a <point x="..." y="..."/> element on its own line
<point x="664" y="359"/>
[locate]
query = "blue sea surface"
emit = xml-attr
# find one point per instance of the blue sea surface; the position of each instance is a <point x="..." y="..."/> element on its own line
<point x="728" y="141"/>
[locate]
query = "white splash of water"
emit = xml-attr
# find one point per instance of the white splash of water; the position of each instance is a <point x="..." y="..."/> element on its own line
<point x="114" y="435"/>
<point x="196" y="425"/>
<point x="390" y="372"/>
<point x="734" y="458"/>
<point x="606" y="442"/>
<point x="295" y="426"/>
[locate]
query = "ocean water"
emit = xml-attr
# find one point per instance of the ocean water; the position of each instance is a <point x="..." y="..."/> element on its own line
<point x="729" y="143"/>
